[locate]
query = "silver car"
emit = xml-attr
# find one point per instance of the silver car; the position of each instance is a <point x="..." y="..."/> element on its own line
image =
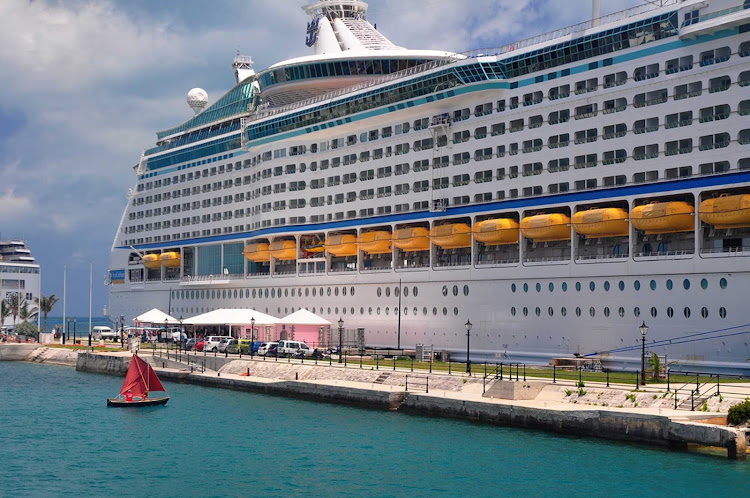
<point x="226" y="342"/>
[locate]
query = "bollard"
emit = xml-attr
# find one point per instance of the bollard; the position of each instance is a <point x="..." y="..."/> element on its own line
<point x="637" y="377"/>
<point x="501" y="370"/>
<point x="697" y="384"/>
<point x="360" y="360"/>
<point x="248" y="371"/>
<point x="412" y="364"/>
<point x="717" y="385"/>
<point x="524" y="372"/>
<point x="580" y="377"/>
<point x="407" y="383"/>
<point x="692" y="401"/>
<point x="427" y="389"/>
<point x="667" y="380"/>
<point x="394" y="363"/>
<point x="430" y="365"/>
<point x="675" y="399"/>
<point x="554" y="374"/>
<point x="449" y="367"/>
<point x="162" y="364"/>
<point x="485" y="368"/>
<point x="607" y="378"/>
<point x="329" y="359"/>
<point x="516" y="372"/>
<point x="377" y="362"/>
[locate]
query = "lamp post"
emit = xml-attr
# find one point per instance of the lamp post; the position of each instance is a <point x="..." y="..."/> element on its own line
<point x="643" y="329"/>
<point x="252" y="336"/>
<point x="74" y="330"/>
<point x="67" y="330"/>
<point x="468" y="341"/>
<point x="341" y="338"/>
<point x="182" y="331"/>
<point x="166" y="333"/>
<point x="122" y="331"/>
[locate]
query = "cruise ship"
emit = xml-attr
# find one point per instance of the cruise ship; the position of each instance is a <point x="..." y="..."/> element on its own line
<point x="556" y="193"/>
<point x="20" y="274"/>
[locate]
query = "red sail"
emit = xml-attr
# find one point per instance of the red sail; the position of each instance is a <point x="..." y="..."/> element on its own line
<point x="140" y="379"/>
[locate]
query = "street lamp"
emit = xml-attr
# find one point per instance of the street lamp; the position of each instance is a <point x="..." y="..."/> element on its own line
<point x="67" y="331"/>
<point x="468" y="340"/>
<point x="122" y="331"/>
<point x="252" y="336"/>
<point x="643" y="329"/>
<point x="341" y="337"/>
<point x="74" y="330"/>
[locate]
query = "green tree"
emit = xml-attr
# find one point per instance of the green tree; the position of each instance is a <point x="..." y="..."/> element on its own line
<point x="4" y="311"/>
<point x="45" y="305"/>
<point x="25" y="313"/>
<point x="14" y="303"/>
<point x="655" y="365"/>
<point x="27" y="329"/>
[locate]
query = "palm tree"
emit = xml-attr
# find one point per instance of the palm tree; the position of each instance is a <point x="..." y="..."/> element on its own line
<point x="45" y="304"/>
<point x="4" y="312"/>
<point x="26" y="314"/>
<point x="14" y="303"/>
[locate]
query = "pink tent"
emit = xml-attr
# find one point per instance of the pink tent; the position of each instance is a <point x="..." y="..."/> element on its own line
<point x="302" y="325"/>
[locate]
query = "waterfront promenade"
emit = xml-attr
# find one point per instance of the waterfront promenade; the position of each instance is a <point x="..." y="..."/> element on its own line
<point x="619" y="411"/>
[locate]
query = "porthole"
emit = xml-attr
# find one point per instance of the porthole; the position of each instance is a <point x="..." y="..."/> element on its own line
<point x="336" y="291"/>
<point x="653" y="312"/>
<point x="406" y="311"/>
<point x="670" y="312"/>
<point x="434" y="311"/>
<point x="606" y="285"/>
<point x="669" y="284"/>
<point x="538" y="287"/>
<point x="328" y="291"/>
<point x="592" y="286"/>
<point x="224" y="294"/>
<point x="329" y="310"/>
<point x="621" y="285"/>
<point x="315" y="291"/>
<point x="513" y="288"/>
<point x="526" y="287"/>
<point x="213" y="294"/>
<point x="388" y="310"/>
<point x="551" y="287"/>
<point x="414" y="291"/>
<point x="637" y="311"/>
<point x="513" y="311"/>
<point x="564" y="311"/>
<point x="445" y="290"/>
<point x="704" y="312"/>
<point x="424" y="311"/>
<point x="455" y="290"/>
<point x="723" y="312"/>
<point x="203" y="295"/>
<point x="351" y="291"/>
<point x="286" y="292"/>
<point x="369" y="310"/>
<point x="466" y="290"/>
<point x="379" y="292"/>
<point x="396" y="291"/>
<point x="704" y="284"/>
<point x="550" y="311"/>
<point x="578" y="286"/>
<point x="621" y="312"/>
<point x="606" y="311"/>
<point x="537" y="311"/>
<point x="278" y="292"/>
<point x="362" y="310"/>
<point x="686" y="284"/>
<point x="307" y="291"/>
<point x="414" y="311"/>
<point x="592" y="311"/>
<point x="686" y="312"/>
<point x="652" y="284"/>
<point x="525" y="311"/>
<point x="406" y="291"/>
<point x="445" y="311"/>
<point x="565" y="286"/>
<point x="637" y="285"/>
<point x="294" y="292"/>
<point x="273" y="293"/>
<point x="265" y="292"/>
<point x="578" y="311"/>
<point x="320" y="291"/>
<point x="343" y="291"/>
<point x="455" y="311"/>
<point x="242" y="293"/>
<point x="235" y="293"/>
<point x="253" y="293"/>
<point x="378" y="310"/>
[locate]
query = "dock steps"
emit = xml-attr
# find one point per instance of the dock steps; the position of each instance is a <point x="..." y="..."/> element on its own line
<point x="382" y="377"/>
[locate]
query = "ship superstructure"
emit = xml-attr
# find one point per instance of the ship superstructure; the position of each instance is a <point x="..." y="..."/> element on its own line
<point x="557" y="192"/>
<point x="20" y="274"/>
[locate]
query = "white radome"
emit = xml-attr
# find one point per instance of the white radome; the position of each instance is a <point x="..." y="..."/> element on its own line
<point x="197" y="99"/>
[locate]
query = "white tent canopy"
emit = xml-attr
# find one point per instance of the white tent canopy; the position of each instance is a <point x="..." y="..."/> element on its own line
<point x="155" y="316"/>
<point x="304" y="317"/>
<point x="227" y="316"/>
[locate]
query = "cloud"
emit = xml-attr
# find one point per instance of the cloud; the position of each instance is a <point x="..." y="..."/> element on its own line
<point x="14" y="207"/>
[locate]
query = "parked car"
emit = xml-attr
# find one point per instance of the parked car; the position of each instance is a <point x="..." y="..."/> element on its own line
<point x="213" y="342"/>
<point x="189" y="344"/>
<point x="258" y="345"/>
<point x="293" y="348"/>
<point x="225" y="343"/>
<point x="266" y="348"/>
<point x="104" y="333"/>
<point x="199" y="345"/>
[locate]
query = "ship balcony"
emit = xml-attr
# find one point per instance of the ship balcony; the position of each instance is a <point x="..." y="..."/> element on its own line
<point x="663" y="255"/>
<point x="602" y="258"/>
<point x="715" y="21"/>
<point x="547" y="260"/>
<point x="729" y="252"/>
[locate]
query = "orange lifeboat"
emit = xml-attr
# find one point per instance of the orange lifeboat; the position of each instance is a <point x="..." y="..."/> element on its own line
<point x="283" y="250"/>
<point x="497" y="231"/>
<point x="663" y="217"/>
<point x="378" y="242"/>
<point x="170" y="259"/>
<point x="342" y="245"/>
<point x="451" y="235"/>
<point x="257" y="252"/>
<point x="412" y="239"/>
<point x="313" y="246"/>
<point x="546" y="227"/>
<point x="151" y="261"/>
<point x="603" y="222"/>
<point x="727" y="211"/>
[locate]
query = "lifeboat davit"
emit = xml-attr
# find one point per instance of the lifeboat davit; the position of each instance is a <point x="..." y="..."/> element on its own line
<point x="727" y="211"/>
<point x="257" y="252"/>
<point x="496" y="231"/>
<point x="546" y="227"/>
<point x="283" y="250"/>
<point x="314" y="247"/>
<point x="151" y="261"/>
<point x="451" y="235"/>
<point x="412" y="239"/>
<point x="378" y="242"/>
<point x="170" y="259"/>
<point x="603" y="222"/>
<point x="342" y="245"/>
<point x="663" y="217"/>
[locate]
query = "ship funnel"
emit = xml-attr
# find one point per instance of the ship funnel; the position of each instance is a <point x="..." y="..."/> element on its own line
<point x="596" y="11"/>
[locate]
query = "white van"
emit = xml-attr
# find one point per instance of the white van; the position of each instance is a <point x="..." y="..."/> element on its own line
<point x="212" y="342"/>
<point x="291" y="348"/>
<point x="100" y="332"/>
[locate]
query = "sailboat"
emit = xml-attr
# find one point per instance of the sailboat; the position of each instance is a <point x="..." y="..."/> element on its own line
<point x="139" y="382"/>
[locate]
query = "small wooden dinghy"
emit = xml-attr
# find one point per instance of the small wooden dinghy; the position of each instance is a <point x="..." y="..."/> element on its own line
<point x="139" y="382"/>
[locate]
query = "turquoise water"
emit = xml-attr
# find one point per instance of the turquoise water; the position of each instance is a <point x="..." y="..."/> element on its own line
<point x="57" y="437"/>
<point x="82" y="324"/>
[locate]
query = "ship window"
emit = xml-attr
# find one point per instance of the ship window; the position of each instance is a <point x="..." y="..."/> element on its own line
<point x="526" y="287"/>
<point x="343" y="311"/>
<point x="414" y="291"/>
<point x="564" y="311"/>
<point x="686" y="312"/>
<point x="343" y="291"/>
<point x="434" y="311"/>
<point x="387" y="292"/>
<point x="606" y="285"/>
<point x="253" y="293"/>
<point x="273" y="292"/>
<point x="578" y="311"/>
<point x="538" y="311"/>
<point x="445" y="311"/>
<point x="550" y="311"/>
<point x="455" y="311"/>
<point x="235" y="293"/>
<point x="723" y="283"/>
<point x="328" y="291"/>
<point x="538" y="287"/>
<point x="513" y="311"/>
<point x="525" y="311"/>
<point x="670" y="312"/>
<point x="445" y="290"/>
<point x="704" y="312"/>
<point x="652" y="284"/>
<point x="362" y="311"/>
<point x="637" y="285"/>
<point x="723" y="312"/>
<point x="653" y="312"/>
<point x="578" y="286"/>
<point x="213" y="294"/>
<point x="406" y="291"/>
<point x="621" y="312"/>
<point x="686" y="284"/>
<point x="424" y="310"/>
<point x="388" y="310"/>
<point x="637" y="311"/>
<point x="592" y="286"/>
<point x="551" y="287"/>
<point x="376" y="311"/>
<point x="379" y="291"/>
<point x="592" y="311"/>
<point x="266" y="292"/>
<point x="336" y="291"/>
<point x="513" y="288"/>
<point x="669" y="284"/>
<point x="455" y="290"/>
<point x="369" y="310"/>
<point x="466" y="290"/>
<point x="606" y="311"/>
<point x="315" y="292"/>
<point x="704" y="284"/>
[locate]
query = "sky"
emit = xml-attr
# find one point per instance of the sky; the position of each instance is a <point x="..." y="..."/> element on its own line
<point x="87" y="84"/>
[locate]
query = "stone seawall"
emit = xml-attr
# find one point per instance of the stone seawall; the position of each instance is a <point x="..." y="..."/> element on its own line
<point x="16" y="352"/>
<point x="103" y="363"/>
